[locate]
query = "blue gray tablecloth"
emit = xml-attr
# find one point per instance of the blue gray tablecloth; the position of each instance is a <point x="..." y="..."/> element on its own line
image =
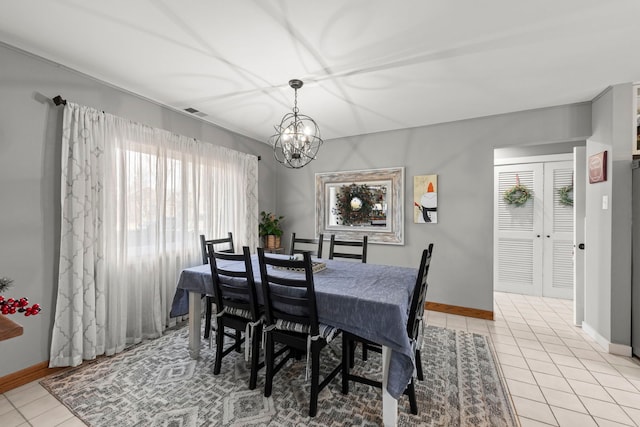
<point x="369" y="300"/>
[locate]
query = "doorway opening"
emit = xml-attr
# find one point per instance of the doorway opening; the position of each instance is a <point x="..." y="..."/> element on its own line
<point x="534" y="251"/>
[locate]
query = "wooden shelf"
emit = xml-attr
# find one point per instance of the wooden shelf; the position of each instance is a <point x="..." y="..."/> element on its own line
<point x="9" y="328"/>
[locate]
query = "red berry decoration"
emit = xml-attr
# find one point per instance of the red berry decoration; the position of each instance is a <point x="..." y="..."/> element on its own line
<point x="11" y="306"/>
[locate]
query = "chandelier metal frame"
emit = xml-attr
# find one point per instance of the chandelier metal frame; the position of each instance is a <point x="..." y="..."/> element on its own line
<point x="297" y="138"/>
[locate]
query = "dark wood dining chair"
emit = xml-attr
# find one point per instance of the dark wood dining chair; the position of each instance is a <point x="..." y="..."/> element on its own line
<point x="357" y="254"/>
<point x="225" y="245"/>
<point x="414" y="331"/>
<point x="300" y="245"/>
<point x="237" y="307"/>
<point x="360" y="254"/>
<point x="226" y="242"/>
<point x="292" y="320"/>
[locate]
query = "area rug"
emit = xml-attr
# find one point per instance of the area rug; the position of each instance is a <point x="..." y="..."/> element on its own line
<point x="156" y="383"/>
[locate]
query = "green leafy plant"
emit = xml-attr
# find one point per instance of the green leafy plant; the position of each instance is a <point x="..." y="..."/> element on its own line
<point x="5" y="282"/>
<point x="269" y="224"/>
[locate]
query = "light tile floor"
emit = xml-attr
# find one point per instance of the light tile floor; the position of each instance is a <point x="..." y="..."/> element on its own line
<point x="556" y="374"/>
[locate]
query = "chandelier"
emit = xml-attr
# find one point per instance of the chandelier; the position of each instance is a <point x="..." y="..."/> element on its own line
<point x="297" y="138"/>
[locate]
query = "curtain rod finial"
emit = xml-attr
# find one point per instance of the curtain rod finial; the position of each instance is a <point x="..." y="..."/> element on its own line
<point x="59" y="101"/>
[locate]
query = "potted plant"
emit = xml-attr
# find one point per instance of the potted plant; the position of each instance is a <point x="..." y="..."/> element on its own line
<point x="270" y="230"/>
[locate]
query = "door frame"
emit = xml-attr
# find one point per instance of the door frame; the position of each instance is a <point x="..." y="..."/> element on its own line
<point x="579" y="227"/>
<point x="545" y="158"/>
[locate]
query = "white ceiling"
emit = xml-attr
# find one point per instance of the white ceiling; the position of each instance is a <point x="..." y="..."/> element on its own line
<point x="368" y="65"/>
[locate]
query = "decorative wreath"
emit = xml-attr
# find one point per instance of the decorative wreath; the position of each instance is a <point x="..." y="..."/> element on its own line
<point x="354" y="204"/>
<point x="517" y="195"/>
<point x="566" y="195"/>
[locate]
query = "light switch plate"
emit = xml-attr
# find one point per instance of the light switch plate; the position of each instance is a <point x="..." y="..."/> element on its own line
<point x="605" y="202"/>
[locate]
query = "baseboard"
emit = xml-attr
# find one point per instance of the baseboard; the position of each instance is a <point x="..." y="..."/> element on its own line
<point x="609" y="347"/>
<point x="460" y="311"/>
<point x="27" y="375"/>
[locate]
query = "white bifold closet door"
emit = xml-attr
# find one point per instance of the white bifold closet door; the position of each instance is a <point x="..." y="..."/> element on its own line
<point x="533" y="243"/>
<point x="557" y="264"/>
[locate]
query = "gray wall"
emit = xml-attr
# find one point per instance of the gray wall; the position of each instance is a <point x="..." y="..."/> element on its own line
<point x="462" y="154"/>
<point x="30" y="179"/>
<point x="608" y="232"/>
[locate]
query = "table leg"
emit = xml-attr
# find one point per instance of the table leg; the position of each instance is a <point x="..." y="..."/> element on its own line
<point x="389" y="404"/>
<point x="195" y="308"/>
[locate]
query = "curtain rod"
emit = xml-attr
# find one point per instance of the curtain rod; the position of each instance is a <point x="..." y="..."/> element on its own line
<point x="58" y="100"/>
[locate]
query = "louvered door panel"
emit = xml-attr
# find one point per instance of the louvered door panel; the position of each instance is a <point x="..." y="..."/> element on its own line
<point x="558" y="232"/>
<point x="562" y="266"/>
<point x="515" y="218"/>
<point x="515" y="258"/>
<point x="517" y="229"/>
<point x="562" y="214"/>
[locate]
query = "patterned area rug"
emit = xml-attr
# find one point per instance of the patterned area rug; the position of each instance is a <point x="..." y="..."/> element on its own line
<point x="157" y="384"/>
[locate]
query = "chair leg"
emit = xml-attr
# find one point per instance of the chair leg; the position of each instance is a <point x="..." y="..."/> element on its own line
<point x="364" y="352"/>
<point x="419" y="366"/>
<point x="238" y="342"/>
<point x="352" y="354"/>
<point x="208" y="315"/>
<point x="411" y="391"/>
<point x="315" y="379"/>
<point x="219" y="348"/>
<point x="347" y="362"/>
<point x="255" y="355"/>
<point x="268" y="363"/>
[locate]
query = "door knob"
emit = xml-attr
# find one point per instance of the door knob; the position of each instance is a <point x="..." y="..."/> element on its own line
<point x="581" y="246"/>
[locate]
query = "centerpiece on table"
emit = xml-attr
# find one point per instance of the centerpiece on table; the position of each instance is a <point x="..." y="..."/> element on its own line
<point x="269" y="229"/>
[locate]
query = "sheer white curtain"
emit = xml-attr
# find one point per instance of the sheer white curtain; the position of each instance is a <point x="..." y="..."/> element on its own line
<point x="134" y="201"/>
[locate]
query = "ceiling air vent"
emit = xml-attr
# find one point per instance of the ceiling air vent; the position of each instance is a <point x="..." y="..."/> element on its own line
<point x="195" y="112"/>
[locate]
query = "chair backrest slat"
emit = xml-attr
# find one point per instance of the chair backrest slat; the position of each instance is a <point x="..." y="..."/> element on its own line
<point x="224" y="240"/>
<point x="287" y="298"/>
<point x="233" y="287"/>
<point x="306" y="245"/>
<point x="419" y="294"/>
<point x="362" y="255"/>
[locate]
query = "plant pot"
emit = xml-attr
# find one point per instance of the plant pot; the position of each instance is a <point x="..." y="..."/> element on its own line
<point x="272" y="241"/>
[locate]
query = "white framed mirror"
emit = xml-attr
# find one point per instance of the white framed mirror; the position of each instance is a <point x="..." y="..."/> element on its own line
<point x="363" y="202"/>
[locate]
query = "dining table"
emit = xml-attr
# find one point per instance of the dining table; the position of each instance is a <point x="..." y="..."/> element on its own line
<point x="369" y="300"/>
